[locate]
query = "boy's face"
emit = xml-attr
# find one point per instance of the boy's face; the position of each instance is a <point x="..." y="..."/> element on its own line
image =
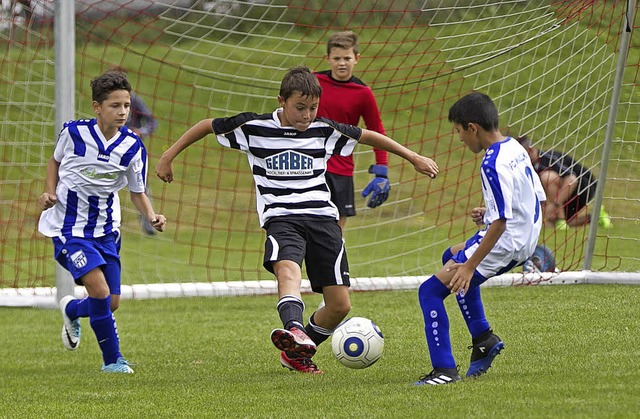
<point x="469" y="136"/>
<point x="342" y="61"/>
<point x="298" y="111"/>
<point x="113" y="112"/>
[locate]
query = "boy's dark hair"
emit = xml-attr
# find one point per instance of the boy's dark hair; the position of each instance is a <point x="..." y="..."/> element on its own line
<point x="344" y="40"/>
<point x="106" y="83"/>
<point x="302" y="80"/>
<point x="475" y="108"/>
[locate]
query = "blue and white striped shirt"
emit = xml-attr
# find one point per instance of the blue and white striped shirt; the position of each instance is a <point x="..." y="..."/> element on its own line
<point x="92" y="171"/>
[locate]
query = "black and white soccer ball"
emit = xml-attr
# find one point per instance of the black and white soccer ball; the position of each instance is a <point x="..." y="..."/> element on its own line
<point x="357" y="343"/>
<point x="542" y="260"/>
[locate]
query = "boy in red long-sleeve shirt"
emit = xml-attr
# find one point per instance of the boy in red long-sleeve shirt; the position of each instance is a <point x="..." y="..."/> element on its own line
<point x="346" y="99"/>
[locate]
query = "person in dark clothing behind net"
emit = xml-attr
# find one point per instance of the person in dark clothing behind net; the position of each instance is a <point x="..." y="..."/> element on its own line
<point x="569" y="187"/>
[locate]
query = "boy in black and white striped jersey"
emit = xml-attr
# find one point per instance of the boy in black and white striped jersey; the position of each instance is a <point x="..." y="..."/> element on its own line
<point x="288" y="151"/>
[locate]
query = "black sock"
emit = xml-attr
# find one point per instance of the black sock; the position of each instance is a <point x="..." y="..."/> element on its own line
<point x="316" y="333"/>
<point x="290" y="309"/>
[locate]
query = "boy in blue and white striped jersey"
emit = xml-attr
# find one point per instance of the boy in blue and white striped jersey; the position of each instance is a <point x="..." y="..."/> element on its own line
<point x="288" y="152"/>
<point x="93" y="160"/>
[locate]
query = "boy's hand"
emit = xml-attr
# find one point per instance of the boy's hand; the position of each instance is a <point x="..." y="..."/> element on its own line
<point x="378" y="188"/>
<point x="426" y="166"/>
<point x="47" y="200"/>
<point x="461" y="278"/>
<point x="164" y="169"/>
<point x="477" y="215"/>
<point x="158" y="222"/>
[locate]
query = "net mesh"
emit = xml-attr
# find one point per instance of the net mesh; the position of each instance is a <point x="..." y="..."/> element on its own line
<point x="549" y="66"/>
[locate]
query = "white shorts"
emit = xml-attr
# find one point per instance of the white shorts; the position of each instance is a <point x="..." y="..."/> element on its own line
<point x="498" y="261"/>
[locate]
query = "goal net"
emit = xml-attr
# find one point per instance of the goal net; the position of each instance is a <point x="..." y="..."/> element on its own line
<point x="552" y="67"/>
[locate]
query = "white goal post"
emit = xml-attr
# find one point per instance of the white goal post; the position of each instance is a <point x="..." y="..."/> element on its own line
<point x="45" y="297"/>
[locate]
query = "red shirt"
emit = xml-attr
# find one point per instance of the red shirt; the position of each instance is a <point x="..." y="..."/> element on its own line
<point x="347" y="102"/>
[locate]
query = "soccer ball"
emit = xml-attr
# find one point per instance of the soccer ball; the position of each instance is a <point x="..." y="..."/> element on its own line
<point x="357" y="343"/>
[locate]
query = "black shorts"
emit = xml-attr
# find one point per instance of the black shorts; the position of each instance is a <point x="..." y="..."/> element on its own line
<point x="317" y="241"/>
<point x="341" y="188"/>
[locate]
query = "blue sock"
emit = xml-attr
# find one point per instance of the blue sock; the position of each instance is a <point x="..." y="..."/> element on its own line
<point x="104" y="326"/>
<point x="83" y="307"/>
<point x="431" y="294"/>
<point x="446" y="255"/>
<point x="78" y="308"/>
<point x="473" y="311"/>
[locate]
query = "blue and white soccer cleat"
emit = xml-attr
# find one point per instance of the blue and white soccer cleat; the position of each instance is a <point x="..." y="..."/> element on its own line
<point x="483" y="354"/>
<point x="120" y="366"/>
<point x="70" y="328"/>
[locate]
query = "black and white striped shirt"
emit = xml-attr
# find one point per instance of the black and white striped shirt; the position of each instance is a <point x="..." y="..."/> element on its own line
<point x="288" y="165"/>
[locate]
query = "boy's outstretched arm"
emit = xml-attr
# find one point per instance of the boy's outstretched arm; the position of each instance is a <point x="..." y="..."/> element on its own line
<point x="422" y="164"/>
<point x="164" y="168"/>
<point x="143" y="205"/>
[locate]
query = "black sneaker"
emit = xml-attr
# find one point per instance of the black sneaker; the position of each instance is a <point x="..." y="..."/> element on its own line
<point x="439" y="376"/>
<point x="483" y="354"/>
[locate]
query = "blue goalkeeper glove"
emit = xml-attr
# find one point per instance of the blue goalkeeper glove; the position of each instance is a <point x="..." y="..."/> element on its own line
<point x="379" y="187"/>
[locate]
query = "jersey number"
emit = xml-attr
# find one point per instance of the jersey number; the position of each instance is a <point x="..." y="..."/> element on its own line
<point x="529" y="173"/>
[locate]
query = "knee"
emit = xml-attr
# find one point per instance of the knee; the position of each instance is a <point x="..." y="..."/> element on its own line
<point x="286" y="271"/>
<point x="432" y="287"/>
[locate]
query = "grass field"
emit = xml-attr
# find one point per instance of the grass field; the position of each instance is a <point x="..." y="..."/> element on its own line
<point x="570" y="351"/>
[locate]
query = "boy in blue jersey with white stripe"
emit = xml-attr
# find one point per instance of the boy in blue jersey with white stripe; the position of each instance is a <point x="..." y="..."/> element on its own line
<point x="512" y="195"/>
<point x="93" y="160"/>
<point x="288" y="152"/>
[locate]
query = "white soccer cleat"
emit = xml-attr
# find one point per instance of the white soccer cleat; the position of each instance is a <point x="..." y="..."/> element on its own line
<point x="70" y="328"/>
<point x="121" y="366"/>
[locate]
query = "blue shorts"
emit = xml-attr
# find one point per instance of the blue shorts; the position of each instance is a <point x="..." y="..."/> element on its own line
<point x="497" y="262"/>
<point x="81" y="255"/>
